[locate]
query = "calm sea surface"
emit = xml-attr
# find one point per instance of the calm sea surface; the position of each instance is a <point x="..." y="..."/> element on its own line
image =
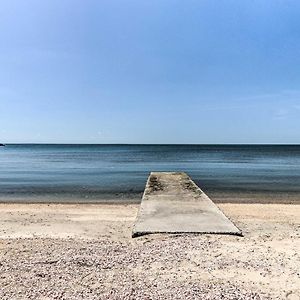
<point x="91" y="172"/>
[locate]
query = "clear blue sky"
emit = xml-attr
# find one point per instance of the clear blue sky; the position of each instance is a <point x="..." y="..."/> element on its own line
<point x="150" y="71"/>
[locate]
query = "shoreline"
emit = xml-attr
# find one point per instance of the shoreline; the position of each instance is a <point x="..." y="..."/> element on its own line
<point x="50" y="219"/>
<point x="135" y="198"/>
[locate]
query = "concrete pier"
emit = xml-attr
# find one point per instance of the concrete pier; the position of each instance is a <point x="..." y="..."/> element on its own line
<point x="173" y="203"/>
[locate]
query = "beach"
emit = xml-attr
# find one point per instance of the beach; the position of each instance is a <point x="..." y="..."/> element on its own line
<point x="149" y="150"/>
<point x="85" y="251"/>
<point x="67" y="213"/>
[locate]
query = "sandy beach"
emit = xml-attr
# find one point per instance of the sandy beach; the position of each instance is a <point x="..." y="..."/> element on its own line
<point x="149" y="150"/>
<point x="85" y="251"/>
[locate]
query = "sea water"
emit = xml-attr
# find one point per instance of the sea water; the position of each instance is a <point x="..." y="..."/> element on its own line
<point x="94" y="172"/>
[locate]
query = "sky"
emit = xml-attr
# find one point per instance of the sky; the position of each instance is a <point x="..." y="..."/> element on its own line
<point x="156" y="71"/>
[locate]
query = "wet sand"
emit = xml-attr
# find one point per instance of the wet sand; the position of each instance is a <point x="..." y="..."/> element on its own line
<point x="85" y="251"/>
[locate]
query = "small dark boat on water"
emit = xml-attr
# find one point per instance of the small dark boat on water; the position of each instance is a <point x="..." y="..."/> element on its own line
<point x="2" y="145"/>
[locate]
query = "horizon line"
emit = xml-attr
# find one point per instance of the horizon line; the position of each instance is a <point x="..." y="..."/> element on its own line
<point x="167" y="144"/>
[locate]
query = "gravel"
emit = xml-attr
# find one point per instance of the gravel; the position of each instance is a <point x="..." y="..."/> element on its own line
<point x="158" y="267"/>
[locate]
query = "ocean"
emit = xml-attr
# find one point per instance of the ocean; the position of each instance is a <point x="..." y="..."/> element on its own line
<point x="83" y="173"/>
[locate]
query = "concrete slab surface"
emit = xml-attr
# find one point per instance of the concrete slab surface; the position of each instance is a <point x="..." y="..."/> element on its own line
<point x="173" y="203"/>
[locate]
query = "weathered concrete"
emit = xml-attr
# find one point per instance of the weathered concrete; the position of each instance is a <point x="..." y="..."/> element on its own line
<point x="173" y="203"/>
